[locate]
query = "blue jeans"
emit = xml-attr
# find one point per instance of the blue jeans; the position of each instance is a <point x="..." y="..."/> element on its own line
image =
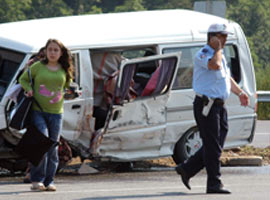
<point x="50" y="125"/>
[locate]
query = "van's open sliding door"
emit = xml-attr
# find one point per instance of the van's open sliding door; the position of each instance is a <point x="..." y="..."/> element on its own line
<point x="137" y="123"/>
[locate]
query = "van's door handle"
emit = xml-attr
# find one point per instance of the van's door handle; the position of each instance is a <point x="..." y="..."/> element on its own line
<point x="115" y="115"/>
<point x="76" y="106"/>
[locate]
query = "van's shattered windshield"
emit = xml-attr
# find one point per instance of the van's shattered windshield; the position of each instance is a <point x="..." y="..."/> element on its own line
<point x="9" y="64"/>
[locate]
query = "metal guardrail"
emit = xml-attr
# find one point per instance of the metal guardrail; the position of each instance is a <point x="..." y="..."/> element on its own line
<point x="263" y="96"/>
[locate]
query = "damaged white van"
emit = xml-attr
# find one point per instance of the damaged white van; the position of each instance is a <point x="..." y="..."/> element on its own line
<point x="133" y="73"/>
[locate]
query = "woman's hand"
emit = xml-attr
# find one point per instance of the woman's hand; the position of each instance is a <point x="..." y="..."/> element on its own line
<point x="29" y="93"/>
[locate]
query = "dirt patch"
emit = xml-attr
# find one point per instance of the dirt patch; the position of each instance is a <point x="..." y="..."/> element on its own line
<point x="251" y="151"/>
<point x="243" y="152"/>
<point x="75" y="164"/>
<point x="237" y="152"/>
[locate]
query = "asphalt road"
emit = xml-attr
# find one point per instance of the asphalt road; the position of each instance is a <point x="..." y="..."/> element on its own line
<point x="262" y="134"/>
<point x="249" y="183"/>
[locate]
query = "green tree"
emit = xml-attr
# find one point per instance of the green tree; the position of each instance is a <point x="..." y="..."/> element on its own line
<point x="253" y="16"/>
<point x="48" y="8"/>
<point x="77" y="6"/>
<point x="13" y="10"/>
<point x="84" y="6"/>
<point x="263" y="81"/>
<point x="128" y="5"/>
<point x="167" y="4"/>
<point x="108" y="5"/>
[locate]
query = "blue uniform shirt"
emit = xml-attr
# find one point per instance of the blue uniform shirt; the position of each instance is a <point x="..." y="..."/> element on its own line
<point x="212" y="83"/>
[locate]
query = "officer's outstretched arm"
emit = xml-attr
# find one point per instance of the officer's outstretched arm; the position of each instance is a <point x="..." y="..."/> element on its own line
<point x="243" y="97"/>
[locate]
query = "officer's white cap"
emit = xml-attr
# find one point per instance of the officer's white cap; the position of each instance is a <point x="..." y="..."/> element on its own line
<point x="219" y="28"/>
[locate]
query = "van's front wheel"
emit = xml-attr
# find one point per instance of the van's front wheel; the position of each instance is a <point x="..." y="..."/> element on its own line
<point x="187" y="145"/>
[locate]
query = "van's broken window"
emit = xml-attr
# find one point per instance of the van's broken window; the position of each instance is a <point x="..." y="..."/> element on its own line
<point x="73" y="91"/>
<point x="184" y="75"/>
<point x="106" y="65"/>
<point x="137" y="81"/>
<point x="232" y="58"/>
<point x="9" y="64"/>
<point x="76" y="65"/>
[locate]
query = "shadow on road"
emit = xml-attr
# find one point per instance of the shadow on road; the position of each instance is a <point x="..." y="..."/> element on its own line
<point x="166" y="194"/>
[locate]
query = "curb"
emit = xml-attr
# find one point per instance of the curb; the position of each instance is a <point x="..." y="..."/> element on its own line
<point x="242" y="161"/>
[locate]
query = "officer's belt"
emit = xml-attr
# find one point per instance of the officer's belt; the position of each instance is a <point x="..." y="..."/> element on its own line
<point x="205" y="99"/>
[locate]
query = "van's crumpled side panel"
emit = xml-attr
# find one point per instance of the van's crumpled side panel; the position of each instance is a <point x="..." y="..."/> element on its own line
<point x="137" y="132"/>
<point x="139" y="114"/>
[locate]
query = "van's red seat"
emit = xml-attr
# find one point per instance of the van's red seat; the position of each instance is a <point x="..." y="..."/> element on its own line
<point x="152" y="83"/>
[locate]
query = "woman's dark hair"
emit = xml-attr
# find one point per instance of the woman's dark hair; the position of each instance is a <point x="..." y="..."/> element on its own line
<point x="65" y="59"/>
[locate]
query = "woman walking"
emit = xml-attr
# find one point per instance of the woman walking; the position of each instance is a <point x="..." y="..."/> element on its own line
<point x="50" y="76"/>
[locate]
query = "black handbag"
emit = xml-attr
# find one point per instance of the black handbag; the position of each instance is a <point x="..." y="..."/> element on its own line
<point x="33" y="145"/>
<point x="20" y="116"/>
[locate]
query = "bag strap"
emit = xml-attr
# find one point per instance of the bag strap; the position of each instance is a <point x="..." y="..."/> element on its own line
<point x="32" y="85"/>
<point x="30" y="78"/>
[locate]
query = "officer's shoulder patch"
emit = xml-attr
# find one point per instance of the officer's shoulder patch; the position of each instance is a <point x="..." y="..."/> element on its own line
<point x="205" y="50"/>
<point x="203" y="53"/>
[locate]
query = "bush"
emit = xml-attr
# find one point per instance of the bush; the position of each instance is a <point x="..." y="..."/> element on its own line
<point x="263" y="83"/>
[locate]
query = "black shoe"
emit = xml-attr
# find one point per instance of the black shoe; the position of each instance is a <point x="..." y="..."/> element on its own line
<point x="184" y="176"/>
<point x="217" y="190"/>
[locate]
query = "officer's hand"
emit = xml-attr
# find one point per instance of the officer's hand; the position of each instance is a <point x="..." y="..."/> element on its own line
<point x="244" y="99"/>
<point x="215" y="43"/>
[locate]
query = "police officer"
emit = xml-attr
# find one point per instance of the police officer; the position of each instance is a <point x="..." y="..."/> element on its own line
<point x="212" y="84"/>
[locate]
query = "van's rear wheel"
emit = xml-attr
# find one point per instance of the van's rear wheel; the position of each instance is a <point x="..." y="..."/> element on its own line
<point x="188" y="144"/>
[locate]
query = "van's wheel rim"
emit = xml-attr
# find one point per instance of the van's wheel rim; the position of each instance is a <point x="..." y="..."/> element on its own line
<point x="193" y="143"/>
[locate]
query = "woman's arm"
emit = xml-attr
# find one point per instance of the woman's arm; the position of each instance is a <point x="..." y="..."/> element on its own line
<point x="25" y="83"/>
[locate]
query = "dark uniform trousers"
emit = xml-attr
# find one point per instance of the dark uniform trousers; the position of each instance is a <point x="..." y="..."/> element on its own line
<point x="213" y="130"/>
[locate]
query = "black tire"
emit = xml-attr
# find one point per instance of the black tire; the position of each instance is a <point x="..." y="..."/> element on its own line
<point x="187" y="145"/>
